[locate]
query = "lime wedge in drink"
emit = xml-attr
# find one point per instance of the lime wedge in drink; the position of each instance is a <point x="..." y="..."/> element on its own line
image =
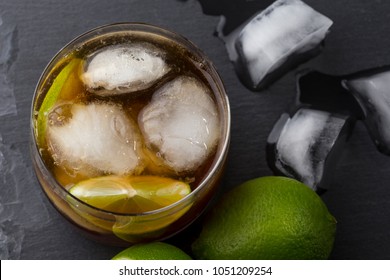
<point x="130" y="195"/>
<point x="52" y="96"/>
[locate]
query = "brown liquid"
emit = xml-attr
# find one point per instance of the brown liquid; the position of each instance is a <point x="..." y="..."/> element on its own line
<point x="182" y="60"/>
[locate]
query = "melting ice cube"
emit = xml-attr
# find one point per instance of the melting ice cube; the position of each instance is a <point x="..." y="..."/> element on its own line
<point x="94" y="137"/>
<point x="283" y="35"/>
<point x="182" y="123"/>
<point x="124" y="68"/>
<point x="301" y="147"/>
<point x="373" y="94"/>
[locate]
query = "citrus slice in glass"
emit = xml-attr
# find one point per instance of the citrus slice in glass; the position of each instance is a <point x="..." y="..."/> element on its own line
<point x="65" y="82"/>
<point x="129" y="198"/>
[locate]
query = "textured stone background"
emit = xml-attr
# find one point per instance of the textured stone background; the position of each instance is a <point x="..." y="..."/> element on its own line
<point x="358" y="195"/>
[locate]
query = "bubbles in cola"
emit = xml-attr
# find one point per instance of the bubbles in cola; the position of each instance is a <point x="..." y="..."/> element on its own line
<point x="131" y="124"/>
<point x="135" y="106"/>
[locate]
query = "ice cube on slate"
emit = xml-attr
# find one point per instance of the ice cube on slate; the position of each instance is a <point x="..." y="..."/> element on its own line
<point x="182" y="123"/>
<point x="373" y="94"/>
<point x="124" y="68"/>
<point x="278" y="38"/>
<point x="94" y="138"/>
<point x="301" y="147"/>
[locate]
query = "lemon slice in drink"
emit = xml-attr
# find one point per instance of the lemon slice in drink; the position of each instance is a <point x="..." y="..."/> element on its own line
<point x="130" y="195"/>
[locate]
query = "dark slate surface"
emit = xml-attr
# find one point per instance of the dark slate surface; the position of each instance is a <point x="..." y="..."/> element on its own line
<point x="358" y="195"/>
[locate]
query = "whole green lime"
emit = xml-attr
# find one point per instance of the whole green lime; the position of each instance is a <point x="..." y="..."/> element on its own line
<point x="152" y="251"/>
<point x="267" y="218"/>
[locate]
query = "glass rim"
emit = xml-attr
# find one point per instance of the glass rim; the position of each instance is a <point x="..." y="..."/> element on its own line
<point x="222" y="102"/>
